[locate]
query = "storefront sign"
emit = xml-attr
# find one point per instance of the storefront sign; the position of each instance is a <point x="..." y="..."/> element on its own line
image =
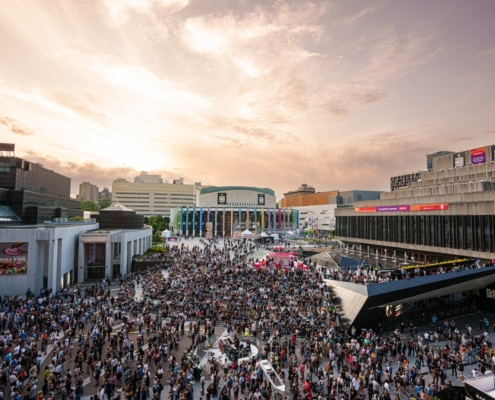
<point x="13" y="258"/>
<point x="478" y="156"/>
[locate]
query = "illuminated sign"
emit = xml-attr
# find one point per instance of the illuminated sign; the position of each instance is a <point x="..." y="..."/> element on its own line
<point x="222" y="198"/>
<point x="478" y="156"/>
<point x="403" y="208"/>
<point x="13" y="258"/>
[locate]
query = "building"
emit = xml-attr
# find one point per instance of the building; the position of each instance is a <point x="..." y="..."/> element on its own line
<point x="230" y="210"/>
<point x="144" y="177"/>
<point x="303" y="189"/>
<point x="404" y="180"/>
<point x="40" y="256"/>
<point x="321" y="217"/>
<point x="415" y="300"/>
<point x="33" y="193"/>
<point x="153" y="198"/>
<point x="306" y="196"/>
<point x="430" y="157"/>
<point x="105" y="194"/>
<point x="88" y="192"/>
<point x="448" y="213"/>
<point x="108" y="250"/>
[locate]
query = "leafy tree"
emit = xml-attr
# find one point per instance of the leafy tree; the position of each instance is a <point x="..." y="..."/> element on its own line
<point x="88" y="205"/>
<point x="104" y="203"/>
<point x="159" y="224"/>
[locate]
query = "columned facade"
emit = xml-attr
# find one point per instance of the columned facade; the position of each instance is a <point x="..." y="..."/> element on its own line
<point x="224" y="221"/>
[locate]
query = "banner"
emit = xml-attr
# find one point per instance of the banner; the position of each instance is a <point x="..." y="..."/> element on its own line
<point x="181" y="219"/>
<point x="402" y="208"/>
<point x="262" y="220"/>
<point x="13" y="258"/>
<point x="222" y="199"/>
<point x="459" y="160"/>
<point x="239" y="218"/>
<point x="478" y="156"/>
<point x="261" y="199"/>
<point x="201" y="219"/>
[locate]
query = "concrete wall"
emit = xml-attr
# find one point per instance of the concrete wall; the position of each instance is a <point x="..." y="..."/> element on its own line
<point x="325" y="215"/>
<point x="236" y="198"/>
<point x="52" y="252"/>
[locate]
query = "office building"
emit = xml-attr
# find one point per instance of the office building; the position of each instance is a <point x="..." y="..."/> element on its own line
<point x="153" y="198"/>
<point x="105" y="194"/>
<point x="306" y="196"/>
<point x="88" y="192"/>
<point x="34" y="193"/>
<point x="448" y="213"/>
<point x="144" y="177"/>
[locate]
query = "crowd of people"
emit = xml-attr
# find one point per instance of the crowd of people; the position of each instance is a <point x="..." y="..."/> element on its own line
<point x="131" y="342"/>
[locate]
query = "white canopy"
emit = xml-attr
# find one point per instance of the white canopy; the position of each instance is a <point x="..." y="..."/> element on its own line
<point x="247" y="232"/>
<point x="263" y="234"/>
<point x="166" y="233"/>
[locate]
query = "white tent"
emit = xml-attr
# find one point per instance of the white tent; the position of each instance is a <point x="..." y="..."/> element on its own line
<point x="263" y="234"/>
<point x="166" y="233"/>
<point x="247" y="232"/>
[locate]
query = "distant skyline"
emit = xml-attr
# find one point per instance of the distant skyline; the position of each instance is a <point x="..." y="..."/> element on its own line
<point x="338" y="95"/>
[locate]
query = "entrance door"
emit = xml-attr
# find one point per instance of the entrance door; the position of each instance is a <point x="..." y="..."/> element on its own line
<point x="116" y="271"/>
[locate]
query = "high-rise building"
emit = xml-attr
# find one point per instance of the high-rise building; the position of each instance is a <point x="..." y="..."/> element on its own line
<point x="153" y="198"/>
<point x="144" y="177"/>
<point x="105" y="194"/>
<point x="34" y="193"/>
<point x="88" y="192"/>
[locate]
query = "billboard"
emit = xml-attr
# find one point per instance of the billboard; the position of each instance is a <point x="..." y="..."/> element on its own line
<point x="7" y="147"/>
<point x="13" y="258"/>
<point x="459" y="160"/>
<point x="222" y="199"/>
<point x="261" y="199"/>
<point x="404" y="207"/>
<point x="493" y="153"/>
<point x="478" y="156"/>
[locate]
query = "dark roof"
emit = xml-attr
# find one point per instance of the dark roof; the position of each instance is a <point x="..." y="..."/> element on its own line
<point x="228" y="188"/>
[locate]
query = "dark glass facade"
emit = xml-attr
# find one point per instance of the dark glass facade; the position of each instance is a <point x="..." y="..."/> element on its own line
<point x="468" y="232"/>
<point x="35" y="193"/>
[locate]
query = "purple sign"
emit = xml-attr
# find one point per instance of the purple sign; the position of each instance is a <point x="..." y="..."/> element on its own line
<point x="393" y="208"/>
<point x="478" y="156"/>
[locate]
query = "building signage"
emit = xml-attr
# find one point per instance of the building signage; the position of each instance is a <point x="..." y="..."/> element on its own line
<point x="478" y="156"/>
<point x="404" y="207"/>
<point x="222" y="199"/>
<point x="261" y="199"/>
<point x="13" y="258"/>
<point x="493" y="153"/>
<point x="459" y="160"/>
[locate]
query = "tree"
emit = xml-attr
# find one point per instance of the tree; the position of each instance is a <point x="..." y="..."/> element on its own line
<point x="104" y="203"/>
<point x="88" y="205"/>
<point x="159" y="224"/>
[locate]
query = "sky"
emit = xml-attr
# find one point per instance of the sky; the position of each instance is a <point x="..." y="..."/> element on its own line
<point x="335" y="94"/>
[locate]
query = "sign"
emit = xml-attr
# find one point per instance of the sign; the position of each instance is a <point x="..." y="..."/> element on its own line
<point x="222" y="199"/>
<point x="493" y="153"/>
<point x="261" y="199"/>
<point x="459" y="160"/>
<point x="172" y="239"/>
<point x="13" y="258"/>
<point x="478" y="156"/>
<point x="7" y="147"/>
<point x="404" y="208"/>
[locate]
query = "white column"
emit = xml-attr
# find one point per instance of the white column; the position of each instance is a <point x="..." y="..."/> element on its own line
<point x="80" y="263"/>
<point x="53" y="276"/>
<point x="123" y="258"/>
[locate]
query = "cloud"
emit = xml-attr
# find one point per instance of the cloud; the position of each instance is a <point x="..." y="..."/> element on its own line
<point x="488" y="53"/>
<point x="71" y="102"/>
<point x="15" y="126"/>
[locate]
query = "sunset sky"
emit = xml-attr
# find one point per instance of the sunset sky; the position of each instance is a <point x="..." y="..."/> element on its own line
<point x="335" y="94"/>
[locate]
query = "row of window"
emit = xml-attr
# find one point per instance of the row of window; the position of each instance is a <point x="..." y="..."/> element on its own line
<point x="469" y="232"/>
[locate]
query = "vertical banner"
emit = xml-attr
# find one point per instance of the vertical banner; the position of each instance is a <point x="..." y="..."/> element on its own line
<point x="292" y="218"/>
<point x="279" y="218"/>
<point x="255" y="217"/>
<point x="297" y="219"/>
<point x="231" y="222"/>
<point x="181" y="219"/>
<point x="187" y="220"/>
<point x="216" y="221"/>
<point x="208" y="215"/>
<point x="262" y="220"/>
<point x="223" y="223"/>
<point x="194" y="222"/>
<point x="239" y="218"/>
<point x="268" y="214"/>
<point x="201" y="221"/>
